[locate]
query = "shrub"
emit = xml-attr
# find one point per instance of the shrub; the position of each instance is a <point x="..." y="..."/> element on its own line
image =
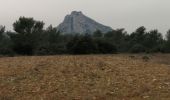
<point x="145" y="58"/>
<point x="5" y="46"/>
<point x="42" y="50"/>
<point x="50" y="49"/>
<point x="106" y="47"/>
<point x="82" y="45"/>
<point x="137" y="48"/>
<point x="85" y="47"/>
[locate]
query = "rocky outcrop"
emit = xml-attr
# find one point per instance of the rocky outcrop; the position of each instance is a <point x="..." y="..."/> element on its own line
<point x="77" y="22"/>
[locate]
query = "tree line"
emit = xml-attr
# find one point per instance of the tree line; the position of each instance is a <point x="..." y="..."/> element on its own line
<point x="30" y="38"/>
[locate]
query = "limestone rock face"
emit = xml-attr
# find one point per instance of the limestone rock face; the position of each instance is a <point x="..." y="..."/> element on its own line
<point x="77" y="22"/>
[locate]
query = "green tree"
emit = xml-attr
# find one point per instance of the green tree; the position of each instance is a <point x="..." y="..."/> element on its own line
<point x="2" y="29"/>
<point x="168" y="35"/>
<point x="28" y="25"/>
<point x="105" y="47"/>
<point x="27" y="34"/>
<point x="138" y="36"/>
<point x="119" y="38"/>
<point x="137" y="48"/>
<point x="82" y="45"/>
<point x="98" y="34"/>
<point x="153" y="41"/>
<point x="166" y="46"/>
<point x="5" y="43"/>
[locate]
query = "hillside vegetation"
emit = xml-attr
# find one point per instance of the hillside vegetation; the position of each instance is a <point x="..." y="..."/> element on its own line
<point x="86" y="77"/>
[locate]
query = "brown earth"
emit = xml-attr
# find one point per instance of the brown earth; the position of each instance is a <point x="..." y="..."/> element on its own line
<point x="91" y="77"/>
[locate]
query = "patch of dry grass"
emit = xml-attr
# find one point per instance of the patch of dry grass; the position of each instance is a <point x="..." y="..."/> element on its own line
<point x="92" y="77"/>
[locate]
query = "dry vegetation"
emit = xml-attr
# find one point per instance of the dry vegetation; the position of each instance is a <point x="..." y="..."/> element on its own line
<point x="92" y="77"/>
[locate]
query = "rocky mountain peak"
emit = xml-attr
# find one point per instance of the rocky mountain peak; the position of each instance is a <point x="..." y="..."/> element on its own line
<point x="76" y="13"/>
<point x="77" y="22"/>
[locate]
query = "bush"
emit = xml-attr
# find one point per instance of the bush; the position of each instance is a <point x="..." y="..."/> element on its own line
<point x="6" y="51"/>
<point x="72" y="43"/>
<point x="57" y="49"/>
<point x="105" y="47"/>
<point x="50" y="49"/>
<point x="42" y="50"/>
<point x="5" y="46"/>
<point x="166" y="47"/>
<point x="145" y="58"/>
<point x="138" y="48"/>
<point x="82" y="45"/>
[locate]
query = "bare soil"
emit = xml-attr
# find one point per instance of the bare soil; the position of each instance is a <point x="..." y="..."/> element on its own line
<point x="86" y="77"/>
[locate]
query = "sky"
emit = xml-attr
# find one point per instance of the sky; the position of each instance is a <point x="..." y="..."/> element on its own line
<point x="128" y="14"/>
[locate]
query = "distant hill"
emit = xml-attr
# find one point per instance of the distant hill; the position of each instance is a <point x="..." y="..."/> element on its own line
<point x="77" y="22"/>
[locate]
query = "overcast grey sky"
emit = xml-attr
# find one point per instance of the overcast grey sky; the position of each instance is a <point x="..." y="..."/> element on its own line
<point x="128" y="14"/>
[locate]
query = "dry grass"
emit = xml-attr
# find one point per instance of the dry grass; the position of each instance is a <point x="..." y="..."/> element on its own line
<point x="93" y="77"/>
